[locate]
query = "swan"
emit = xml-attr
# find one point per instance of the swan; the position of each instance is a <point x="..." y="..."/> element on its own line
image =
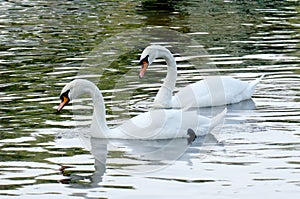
<point x="155" y="124"/>
<point x="213" y="91"/>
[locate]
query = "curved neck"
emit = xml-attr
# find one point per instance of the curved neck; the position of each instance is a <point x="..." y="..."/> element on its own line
<point x="171" y="77"/>
<point x="99" y="120"/>
<point x="99" y="125"/>
<point x="165" y="93"/>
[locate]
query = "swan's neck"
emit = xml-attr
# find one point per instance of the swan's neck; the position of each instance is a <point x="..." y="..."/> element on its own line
<point x="165" y="93"/>
<point x="99" y="126"/>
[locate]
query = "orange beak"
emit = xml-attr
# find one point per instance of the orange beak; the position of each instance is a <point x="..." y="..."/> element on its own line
<point x="64" y="102"/>
<point x="143" y="69"/>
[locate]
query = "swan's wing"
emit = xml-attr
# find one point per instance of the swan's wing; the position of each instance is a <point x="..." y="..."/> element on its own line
<point x="193" y="95"/>
<point x="163" y="124"/>
<point x="154" y="124"/>
<point x="213" y="91"/>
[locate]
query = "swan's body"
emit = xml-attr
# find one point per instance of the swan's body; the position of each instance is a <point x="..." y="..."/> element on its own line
<point x="212" y="91"/>
<point x="156" y="124"/>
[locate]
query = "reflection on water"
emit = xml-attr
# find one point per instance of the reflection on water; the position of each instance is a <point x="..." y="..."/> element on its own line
<point x="152" y="155"/>
<point x="45" y="44"/>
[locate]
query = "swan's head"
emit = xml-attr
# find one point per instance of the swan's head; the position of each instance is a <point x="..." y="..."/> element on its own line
<point x="71" y="91"/>
<point x="149" y="54"/>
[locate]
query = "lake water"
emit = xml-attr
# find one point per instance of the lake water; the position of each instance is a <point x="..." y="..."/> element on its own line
<point x="45" y="44"/>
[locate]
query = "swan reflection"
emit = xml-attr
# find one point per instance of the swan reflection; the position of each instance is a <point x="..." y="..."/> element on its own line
<point x="157" y="153"/>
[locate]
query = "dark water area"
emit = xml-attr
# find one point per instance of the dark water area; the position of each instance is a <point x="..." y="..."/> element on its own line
<point x="46" y="44"/>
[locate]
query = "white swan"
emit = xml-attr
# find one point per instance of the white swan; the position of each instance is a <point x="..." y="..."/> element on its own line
<point x="156" y="124"/>
<point x="212" y="91"/>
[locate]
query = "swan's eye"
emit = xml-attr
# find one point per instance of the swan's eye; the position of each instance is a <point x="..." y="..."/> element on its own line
<point x="144" y="61"/>
<point x="65" y="94"/>
<point x="144" y="65"/>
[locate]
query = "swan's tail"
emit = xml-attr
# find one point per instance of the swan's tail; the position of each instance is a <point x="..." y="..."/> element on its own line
<point x="255" y="82"/>
<point x="218" y="119"/>
<point x="252" y="86"/>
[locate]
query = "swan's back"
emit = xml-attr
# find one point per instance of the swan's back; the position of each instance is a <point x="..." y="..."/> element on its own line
<point x="214" y="91"/>
<point x="162" y="124"/>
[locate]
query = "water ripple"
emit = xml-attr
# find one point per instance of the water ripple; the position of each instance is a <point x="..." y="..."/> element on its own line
<point x="45" y="44"/>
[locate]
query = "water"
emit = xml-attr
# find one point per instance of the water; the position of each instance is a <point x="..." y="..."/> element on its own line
<point x="45" y="44"/>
